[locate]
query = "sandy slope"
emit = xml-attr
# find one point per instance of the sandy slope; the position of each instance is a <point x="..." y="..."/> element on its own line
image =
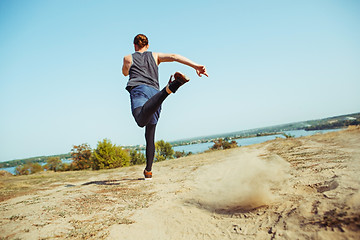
<point x="305" y="188"/>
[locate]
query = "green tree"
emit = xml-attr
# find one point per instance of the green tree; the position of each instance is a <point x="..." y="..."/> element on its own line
<point x="81" y="155"/>
<point x="137" y="157"/>
<point x="163" y="151"/>
<point x="53" y="163"/>
<point x="108" y="155"/>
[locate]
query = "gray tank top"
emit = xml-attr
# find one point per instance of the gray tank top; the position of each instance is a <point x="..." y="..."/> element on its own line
<point x="143" y="71"/>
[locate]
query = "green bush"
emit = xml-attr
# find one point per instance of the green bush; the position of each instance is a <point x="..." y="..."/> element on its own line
<point x="28" y="168"/>
<point x="137" y="157"/>
<point x="163" y="151"/>
<point x="53" y="163"/>
<point x="66" y="167"/>
<point x="108" y="155"/>
<point x="35" y="167"/>
<point x="22" y="170"/>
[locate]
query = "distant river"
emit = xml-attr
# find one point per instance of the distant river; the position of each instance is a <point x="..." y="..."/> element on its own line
<point x="202" y="147"/>
<point x="12" y="169"/>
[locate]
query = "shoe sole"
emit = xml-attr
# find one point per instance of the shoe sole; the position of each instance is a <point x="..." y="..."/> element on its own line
<point x="181" y="78"/>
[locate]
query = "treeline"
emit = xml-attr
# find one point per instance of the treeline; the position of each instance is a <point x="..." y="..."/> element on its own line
<point x="277" y="129"/>
<point x="40" y="159"/>
<point x="108" y="155"/>
<point x="333" y="124"/>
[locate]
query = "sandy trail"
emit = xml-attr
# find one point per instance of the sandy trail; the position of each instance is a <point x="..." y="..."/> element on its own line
<point x="304" y="188"/>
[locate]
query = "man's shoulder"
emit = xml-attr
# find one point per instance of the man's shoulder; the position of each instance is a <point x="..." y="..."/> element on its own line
<point x="128" y="57"/>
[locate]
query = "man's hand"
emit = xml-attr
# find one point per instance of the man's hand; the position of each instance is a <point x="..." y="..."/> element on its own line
<point x="171" y="57"/>
<point x="201" y="70"/>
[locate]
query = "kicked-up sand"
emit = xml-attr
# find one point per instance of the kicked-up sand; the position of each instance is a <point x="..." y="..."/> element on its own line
<point x="299" y="188"/>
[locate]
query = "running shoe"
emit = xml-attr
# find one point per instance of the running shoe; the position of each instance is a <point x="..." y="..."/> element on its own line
<point x="179" y="80"/>
<point x="147" y="175"/>
<point x="182" y="78"/>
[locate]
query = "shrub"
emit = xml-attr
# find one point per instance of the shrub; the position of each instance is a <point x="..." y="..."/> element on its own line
<point x="53" y="163"/>
<point x="137" y="157"/>
<point x="22" y="170"/>
<point x="66" y="167"/>
<point x="223" y="144"/>
<point x="288" y="135"/>
<point x="108" y="155"/>
<point x="28" y="168"/>
<point x="35" y="167"/>
<point x="163" y="151"/>
<point x="179" y="154"/>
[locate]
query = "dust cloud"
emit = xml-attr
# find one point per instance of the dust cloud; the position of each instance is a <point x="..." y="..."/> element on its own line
<point x="354" y="201"/>
<point x="241" y="184"/>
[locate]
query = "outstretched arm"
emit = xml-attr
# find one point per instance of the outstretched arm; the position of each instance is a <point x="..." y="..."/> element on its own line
<point x="170" y="57"/>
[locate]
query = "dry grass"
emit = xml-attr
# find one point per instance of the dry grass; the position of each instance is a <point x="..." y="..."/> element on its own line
<point x="14" y="186"/>
<point x="88" y="208"/>
<point x="308" y="151"/>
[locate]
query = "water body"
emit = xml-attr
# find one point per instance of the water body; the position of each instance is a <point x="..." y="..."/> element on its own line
<point x="202" y="147"/>
<point x="12" y="169"/>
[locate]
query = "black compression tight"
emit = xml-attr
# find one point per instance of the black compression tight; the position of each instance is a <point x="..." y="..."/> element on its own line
<point x="150" y="145"/>
<point x="142" y="117"/>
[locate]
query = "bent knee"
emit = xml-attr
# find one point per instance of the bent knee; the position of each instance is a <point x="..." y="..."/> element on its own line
<point x="141" y="125"/>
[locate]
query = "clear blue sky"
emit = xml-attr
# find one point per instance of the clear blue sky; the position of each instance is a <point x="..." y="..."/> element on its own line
<point x="270" y="62"/>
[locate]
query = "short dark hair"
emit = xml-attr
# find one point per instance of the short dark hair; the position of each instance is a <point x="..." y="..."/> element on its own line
<point x="141" y="40"/>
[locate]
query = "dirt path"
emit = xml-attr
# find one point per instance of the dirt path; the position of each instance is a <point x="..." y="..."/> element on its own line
<point x="304" y="188"/>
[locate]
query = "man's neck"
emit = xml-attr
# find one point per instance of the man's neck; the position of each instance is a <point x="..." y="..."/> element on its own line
<point x="144" y="49"/>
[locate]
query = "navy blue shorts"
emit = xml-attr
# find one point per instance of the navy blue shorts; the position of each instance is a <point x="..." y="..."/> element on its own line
<point x="139" y="95"/>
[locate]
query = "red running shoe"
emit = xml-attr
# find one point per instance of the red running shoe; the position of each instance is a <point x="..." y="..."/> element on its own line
<point x="147" y="175"/>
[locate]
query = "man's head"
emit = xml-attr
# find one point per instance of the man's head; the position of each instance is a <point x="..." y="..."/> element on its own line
<point x="141" y="41"/>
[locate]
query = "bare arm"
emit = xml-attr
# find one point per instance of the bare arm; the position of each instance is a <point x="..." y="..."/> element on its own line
<point x="126" y="65"/>
<point x="171" y="57"/>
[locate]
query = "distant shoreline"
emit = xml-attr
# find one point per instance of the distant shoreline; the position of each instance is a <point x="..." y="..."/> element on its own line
<point x="336" y="122"/>
<point x="199" y="145"/>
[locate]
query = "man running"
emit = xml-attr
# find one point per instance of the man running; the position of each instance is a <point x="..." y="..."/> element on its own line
<point x="143" y="86"/>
